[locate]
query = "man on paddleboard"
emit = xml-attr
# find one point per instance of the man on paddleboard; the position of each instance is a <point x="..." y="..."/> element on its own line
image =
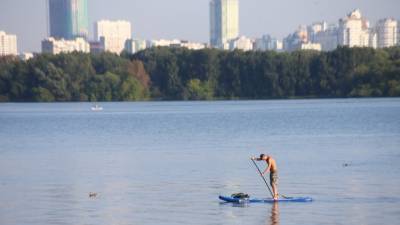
<point x="273" y="172"/>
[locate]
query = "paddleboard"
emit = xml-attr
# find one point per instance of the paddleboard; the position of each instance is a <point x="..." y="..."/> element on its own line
<point x="264" y="200"/>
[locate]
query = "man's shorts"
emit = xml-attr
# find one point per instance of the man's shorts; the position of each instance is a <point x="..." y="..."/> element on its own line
<point x="273" y="177"/>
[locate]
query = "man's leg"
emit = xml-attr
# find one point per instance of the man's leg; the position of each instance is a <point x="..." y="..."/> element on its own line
<point x="273" y="181"/>
<point x="275" y="191"/>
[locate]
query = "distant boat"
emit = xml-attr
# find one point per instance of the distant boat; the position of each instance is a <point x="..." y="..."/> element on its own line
<point x="97" y="108"/>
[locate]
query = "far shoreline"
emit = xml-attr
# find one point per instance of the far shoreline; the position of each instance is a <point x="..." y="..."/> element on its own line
<point x="213" y="100"/>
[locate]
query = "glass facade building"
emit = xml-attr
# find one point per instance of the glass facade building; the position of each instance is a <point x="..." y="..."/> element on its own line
<point x="224" y="22"/>
<point x="68" y="18"/>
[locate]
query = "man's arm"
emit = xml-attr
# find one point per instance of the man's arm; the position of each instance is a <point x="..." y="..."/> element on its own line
<point x="267" y="169"/>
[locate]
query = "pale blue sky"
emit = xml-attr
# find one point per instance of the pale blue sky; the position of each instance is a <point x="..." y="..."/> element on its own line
<point x="188" y="19"/>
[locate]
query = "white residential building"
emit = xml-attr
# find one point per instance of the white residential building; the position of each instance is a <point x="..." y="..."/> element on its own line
<point x="162" y="43"/>
<point x="224" y="22"/>
<point x="190" y="45"/>
<point x="54" y="46"/>
<point x="175" y="43"/>
<point x="354" y="30"/>
<point x="113" y="34"/>
<point x="241" y="43"/>
<point x="386" y="30"/>
<point x="8" y="44"/>
<point x="310" y="46"/>
<point x="133" y="45"/>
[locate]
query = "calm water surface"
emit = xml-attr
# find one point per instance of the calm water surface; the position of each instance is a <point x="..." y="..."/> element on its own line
<point x="167" y="162"/>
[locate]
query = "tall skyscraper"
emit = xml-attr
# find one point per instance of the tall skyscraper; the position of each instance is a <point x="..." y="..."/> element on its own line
<point x="224" y="22"/>
<point x="68" y="19"/>
<point x="8" y="44"/>
<point x="113" y="34"/>
<point x="387" y="33"/>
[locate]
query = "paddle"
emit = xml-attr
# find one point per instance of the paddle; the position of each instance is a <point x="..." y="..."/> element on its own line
<point x="265" y="181"/>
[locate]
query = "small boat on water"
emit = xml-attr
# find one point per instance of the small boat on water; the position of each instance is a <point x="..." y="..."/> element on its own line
<point x="97" y="108"/>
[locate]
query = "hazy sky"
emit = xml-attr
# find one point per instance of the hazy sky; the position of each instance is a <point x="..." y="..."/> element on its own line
<point x="188" y="19"/>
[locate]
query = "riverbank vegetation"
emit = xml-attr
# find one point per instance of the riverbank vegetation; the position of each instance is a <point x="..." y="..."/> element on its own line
<point x="181" y="74"/>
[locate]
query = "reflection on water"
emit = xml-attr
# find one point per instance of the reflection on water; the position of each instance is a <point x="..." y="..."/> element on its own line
<point x="274" y="219"/>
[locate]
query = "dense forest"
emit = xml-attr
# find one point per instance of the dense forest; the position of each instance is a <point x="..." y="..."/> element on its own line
<point x="182" y="74"/>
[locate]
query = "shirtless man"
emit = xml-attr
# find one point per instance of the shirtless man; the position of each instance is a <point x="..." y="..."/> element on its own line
<point x="273" y="175"/>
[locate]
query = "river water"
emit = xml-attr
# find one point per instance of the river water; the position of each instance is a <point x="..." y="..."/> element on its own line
<point x="167" y="162"/>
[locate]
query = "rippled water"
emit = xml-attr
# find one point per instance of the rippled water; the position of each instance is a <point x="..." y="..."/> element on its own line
<point x="167" y="162"/>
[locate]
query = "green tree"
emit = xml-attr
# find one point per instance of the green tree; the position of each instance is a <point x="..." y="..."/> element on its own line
<point x="198" y="90"/>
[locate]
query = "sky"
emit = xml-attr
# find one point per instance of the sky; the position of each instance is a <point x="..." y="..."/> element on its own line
<point x="189" y="19"/>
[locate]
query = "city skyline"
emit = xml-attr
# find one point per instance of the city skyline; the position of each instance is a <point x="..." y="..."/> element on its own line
<point x="156" y="22"/>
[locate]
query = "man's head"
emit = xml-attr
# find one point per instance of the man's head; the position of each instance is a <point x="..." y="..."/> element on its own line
<point x="264" y="157"/>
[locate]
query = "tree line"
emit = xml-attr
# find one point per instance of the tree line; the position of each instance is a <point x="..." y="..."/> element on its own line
<point x="209" y="74"/>
<point x="181" y="74"/>
<point x="73" y="77"/>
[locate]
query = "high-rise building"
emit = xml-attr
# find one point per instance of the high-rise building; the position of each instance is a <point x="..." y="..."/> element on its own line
<point x="68" y="19"/>
<point x="8" y="44"/>
<point x="354" y="30"/>
<point x="113" y="34"/>
<point x="328" y="37"/>
<point x="56" y="46"/>
<point x="386" y="30"/>
<point x="224" y="22"/>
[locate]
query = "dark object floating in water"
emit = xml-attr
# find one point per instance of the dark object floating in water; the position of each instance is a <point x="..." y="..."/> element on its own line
<point x="264" y="200"/>
<point x="92" y="195"/>
<point x="346" y="164"/>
